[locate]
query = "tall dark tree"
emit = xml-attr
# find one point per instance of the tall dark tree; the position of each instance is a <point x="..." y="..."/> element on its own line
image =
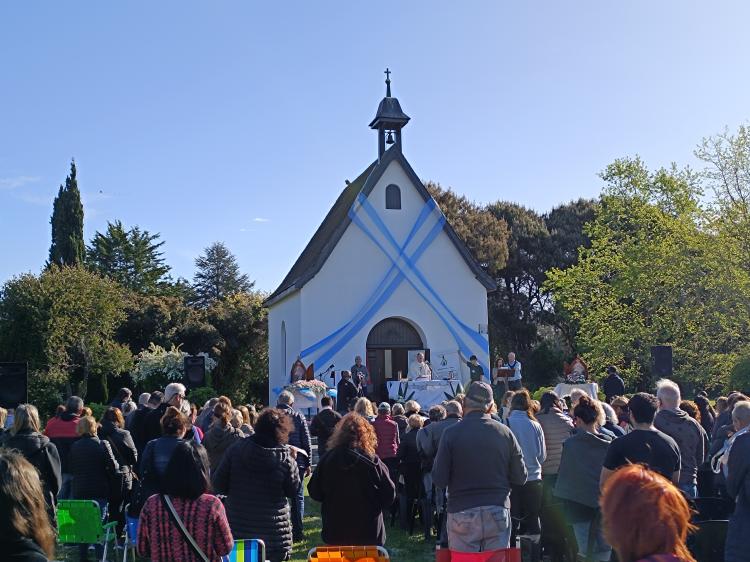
<point x="218" y="276"/>
<point x="130" y="257"/>
<point x="67" y="224"/>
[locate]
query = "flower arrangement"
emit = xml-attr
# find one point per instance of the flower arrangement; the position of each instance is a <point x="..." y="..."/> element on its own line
<point x="159" y="366"/>
<point x="315" y="386"/>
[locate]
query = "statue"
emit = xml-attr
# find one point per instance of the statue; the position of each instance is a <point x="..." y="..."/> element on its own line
<point x="577" y="372"/>
<point x="298" y="371"/>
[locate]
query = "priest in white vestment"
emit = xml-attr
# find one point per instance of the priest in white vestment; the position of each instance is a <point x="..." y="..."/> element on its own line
<point x="419" y="370"/>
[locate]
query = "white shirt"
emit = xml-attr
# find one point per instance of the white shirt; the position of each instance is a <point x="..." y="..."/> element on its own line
<point x="517" y="368"/>
<point x="420" y="371"/>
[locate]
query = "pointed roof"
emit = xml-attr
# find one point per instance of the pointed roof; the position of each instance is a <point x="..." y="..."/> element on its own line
<point x="337" y="220"/>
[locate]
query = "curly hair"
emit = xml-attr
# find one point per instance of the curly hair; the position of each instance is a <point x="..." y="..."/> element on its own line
<point x="363" y="407"/>
<point x="354" y="432"/>
<point x="273" y="428"/>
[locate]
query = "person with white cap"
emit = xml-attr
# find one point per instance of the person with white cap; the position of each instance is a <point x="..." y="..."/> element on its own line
<point x="174" y="394"/>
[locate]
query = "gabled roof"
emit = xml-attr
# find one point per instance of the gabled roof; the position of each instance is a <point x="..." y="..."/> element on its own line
<point x="337" y="220"/>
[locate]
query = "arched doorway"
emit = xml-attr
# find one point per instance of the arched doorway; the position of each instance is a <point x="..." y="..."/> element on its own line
<point x="388" y="346"/>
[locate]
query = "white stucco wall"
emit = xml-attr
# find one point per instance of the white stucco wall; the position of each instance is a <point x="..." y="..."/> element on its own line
<point x="287" y="312"/>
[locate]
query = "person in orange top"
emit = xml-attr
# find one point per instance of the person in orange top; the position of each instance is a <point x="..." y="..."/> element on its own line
<point x="645" y="517"/>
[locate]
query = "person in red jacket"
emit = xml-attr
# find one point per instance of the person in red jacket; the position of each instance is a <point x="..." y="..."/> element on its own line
<point x="386" y="431"/>
<point x="62" y="431"/>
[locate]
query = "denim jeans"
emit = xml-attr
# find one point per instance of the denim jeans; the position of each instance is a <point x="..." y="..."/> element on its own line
<point x="298" y="506"/>
<point x="479" y="529"/>
<point x="65" y="487"/>
<point x="690" y="490"/>
<point x="600" y="550"/>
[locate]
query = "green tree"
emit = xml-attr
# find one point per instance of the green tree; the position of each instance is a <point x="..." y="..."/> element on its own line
<point x="67" y="224"/>
<point x="130" y="257"/>
<point x="218" y="276"/>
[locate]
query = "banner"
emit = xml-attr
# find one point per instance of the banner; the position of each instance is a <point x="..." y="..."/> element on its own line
<point x="446" y="366"/>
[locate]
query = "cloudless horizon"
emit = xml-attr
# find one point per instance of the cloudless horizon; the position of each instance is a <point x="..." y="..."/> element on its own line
<point x="240" y="121"/>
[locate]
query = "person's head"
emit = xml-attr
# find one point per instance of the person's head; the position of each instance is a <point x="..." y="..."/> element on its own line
<point x="643" y="407"/>
<point x="245" y="414"/>
<point x="620" y="405"/>
<point x="346" y="375"/>
<point x="128" y="407"/>
<point x="511" y="357"/>
<point x="397" y="409"/>
<point x="704" y="406"/>
<point x="521" y="401"/>
<point x="612" y="370"/>
<point x="436" y="413"/>
<point x="273" y="428"/>
<point x="114" y="416"/>
<point x="237" y="420"/>
<point x="74" y="405"/>
<point x="412" y="406"/>
<point x="499" y="362"/>
<point x="222" y="414"/>
<point x="691" y="408"/>
<point x="741" y="415"/>
<point x="354" y="432"/>
<point x="548" y="401"/>
<point x="363" y="407"/>
<point x="156" y="398"/>
<point x="208" y="407"/>
<point x="143" y="398"/>
<point x="124" y="394"/>
<point x="226" y="400"/>
<point x="632" y="492"/>
<point x="384" y="408"/>
<point x="358" y="361"/>
<point x="193" y="413"/>
<point x="668" y="394"/>
<point x="507" y="397"/>
<point x="25" y="419"/>
<point x="174" y="394"/>
<point x="473" y="359"/>
<point x="734" y="398"/>
<point x="721" y="404"/>
<point x="252" y="415"/>
<point x="586" y="414"/>
<point x="186" y="475"/>
<point x="453" y="408"/>
<point x="87" y="411"/>
<point x="174" y="423"/>
<point x="86" y="426"/>
<point x="326" y="402"/>
<point x="415" y="422"/>
<point x="420" y="357"/>
<point x="478" y="398"/>
<point x="23" y="511"/>
<point x="575" y="396"/>
<point x="286" y="398"/>
<point x="609" y="413"/>
<point x="60" y="409"/>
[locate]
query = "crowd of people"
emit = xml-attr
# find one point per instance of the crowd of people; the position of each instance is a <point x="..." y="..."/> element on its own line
<point x="563" y="476"/>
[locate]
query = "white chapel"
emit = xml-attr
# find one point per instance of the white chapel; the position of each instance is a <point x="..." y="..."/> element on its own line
<point x="383" y="277"/>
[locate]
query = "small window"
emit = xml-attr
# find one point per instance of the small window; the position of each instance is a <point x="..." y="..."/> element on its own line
<point x="392" y="197"/>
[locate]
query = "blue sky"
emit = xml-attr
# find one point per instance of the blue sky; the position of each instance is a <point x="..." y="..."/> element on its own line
<point x="240" y="121"/>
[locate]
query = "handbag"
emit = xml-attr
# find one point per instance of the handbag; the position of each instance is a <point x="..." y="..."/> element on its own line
<point x="116" y="478"/>
<point x="181" y="527"/>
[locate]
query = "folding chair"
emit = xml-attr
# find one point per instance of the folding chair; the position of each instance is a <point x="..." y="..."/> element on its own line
<point x="707" y="544"/>
<point x="80" y="522"/>
<point x="348" y="554"/>
<point x="131" y="537"/>
<point x="247" y="550"/>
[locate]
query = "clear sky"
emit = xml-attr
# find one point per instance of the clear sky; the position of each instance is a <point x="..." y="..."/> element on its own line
<point x="239" y="121"/>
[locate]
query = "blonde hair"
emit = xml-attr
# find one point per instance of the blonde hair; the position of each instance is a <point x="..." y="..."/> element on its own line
<point x="363" y="407"/>
<point x="26" y="418"/>
<point x="415" y="422"/>
<point x="86" y="426"/>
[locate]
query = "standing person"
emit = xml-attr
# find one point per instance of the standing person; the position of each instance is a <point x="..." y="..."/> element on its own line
<point x="186" y="488"/>
<point x="478" y="460"/>
<point x="690" y="437"/>
<point x="123" y="448"/>
<point x="158" y="452"/>
<point x="351" y="474"/>
<point x="143" y="399"/>
<point x="476" y="371"/>
<point x="323" y="423"/>
<point x="364" y="408"/>
<point x="26" y="534"/>
<point x="420" y="370"/>
<point x="123" y="395"/>
<point x="300" y="439"/>
<point x="386" y="431"/>
<point x="738" y="484"/>
<point x="526" y="500"/>
<point x="61" y="430"/>
<point x="707" y="417"/>
<point x="24" y="437"/>
<point x="346" y="393"/>
<point x="645" y="517"/>
<point x="613" y="385"/>
<point x="514" y="382"/>
<point x="137" y="421"/>
<point x="221" y="435"/>
<point x="397" y="413"/>
<point x="578" y="479"/>
<point x="645" y="444"/>
<point x="257" y="475"/>
<point x="174" y="395"/>
<point x="361" y="376"/>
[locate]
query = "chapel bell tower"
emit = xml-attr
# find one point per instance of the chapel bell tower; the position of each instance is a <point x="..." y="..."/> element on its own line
<point x="389" y="120"/>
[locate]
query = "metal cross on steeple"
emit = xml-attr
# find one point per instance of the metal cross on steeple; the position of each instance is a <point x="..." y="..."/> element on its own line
<point x="387" y="82"/>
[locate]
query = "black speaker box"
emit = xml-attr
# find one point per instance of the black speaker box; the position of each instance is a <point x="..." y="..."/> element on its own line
<point x="195" y="371"/>
<point x="14" y="384"/>
<point x="661" y="360"/>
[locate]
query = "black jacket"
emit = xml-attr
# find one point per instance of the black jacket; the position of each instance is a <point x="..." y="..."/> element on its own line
<point x="354" y="490"/>
<point x="123" y="449"/>
<point x="136" y="424"/>
<point x="21" y="549"/>
<point x="300" y="437"/>
<point x="613" y="386"/>
<point x="42" y="453"/>
<point x="257" y="481"/>
<point x="322" y="427"/>
<point x="346" y="391"/>
<point x="151" y="428"/>
<point x="91" y="464"/>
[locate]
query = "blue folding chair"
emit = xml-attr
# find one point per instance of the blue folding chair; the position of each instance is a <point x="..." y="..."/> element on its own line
<point x="247" y="550"/>
<point x="131" y="537"/>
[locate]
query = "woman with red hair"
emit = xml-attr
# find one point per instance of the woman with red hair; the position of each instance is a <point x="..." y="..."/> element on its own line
<point x="645" y="517"/>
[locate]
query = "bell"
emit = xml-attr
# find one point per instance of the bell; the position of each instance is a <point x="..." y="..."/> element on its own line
<point x="389" y="138"/>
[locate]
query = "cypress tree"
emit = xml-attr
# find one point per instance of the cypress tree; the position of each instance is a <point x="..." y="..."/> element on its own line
<point x="67" y="246"/>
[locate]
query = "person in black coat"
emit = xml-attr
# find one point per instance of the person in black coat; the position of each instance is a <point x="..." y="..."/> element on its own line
<point x="346" y="393"/>
<point x="91" y="464"/>
<point x="123" y="448"/>
<point x="613" y="384"/>
<point x="257" y="475"/>
<point x="137" y="421"/>
<point x="25" y="437"/>
<point x="353" y="486"/>
<point x="174" y="394"/>
<point x="323" y="423"/>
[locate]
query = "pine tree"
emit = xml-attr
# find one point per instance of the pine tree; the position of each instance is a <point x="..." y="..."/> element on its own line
<point x="218" y="276"/>
<point x="67" y="224"/>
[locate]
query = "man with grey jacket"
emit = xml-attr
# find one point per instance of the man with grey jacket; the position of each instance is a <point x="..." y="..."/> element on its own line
<point x="690" y="437"/>
<point x="478" y="460"/>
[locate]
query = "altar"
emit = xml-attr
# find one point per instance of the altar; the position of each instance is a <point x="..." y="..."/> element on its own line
<point x="427" y="393"/>
<point x="590" y="388"/>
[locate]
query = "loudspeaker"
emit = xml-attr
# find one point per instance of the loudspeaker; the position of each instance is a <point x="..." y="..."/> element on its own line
<point x="661" y="361"/>
<point x="195" y="371"/>
<point x="14" y="384"/>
